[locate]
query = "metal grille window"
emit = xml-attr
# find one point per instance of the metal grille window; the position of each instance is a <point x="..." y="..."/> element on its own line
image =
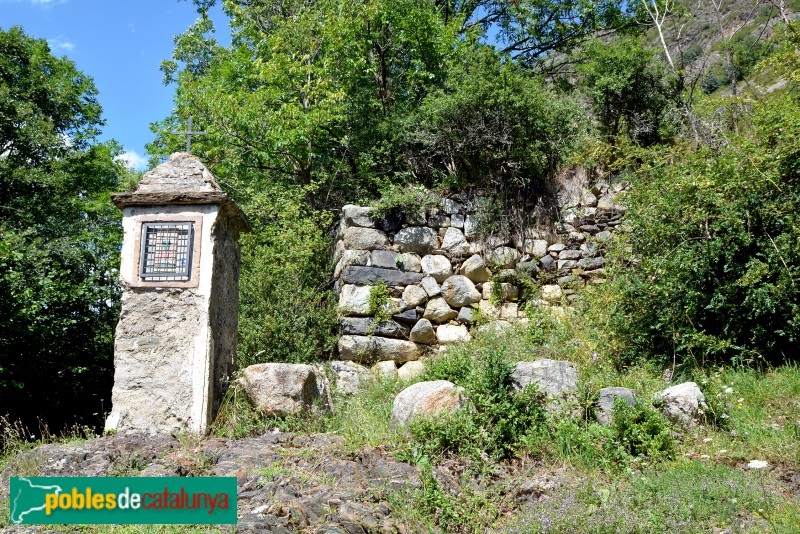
<point x="166" y="251"/>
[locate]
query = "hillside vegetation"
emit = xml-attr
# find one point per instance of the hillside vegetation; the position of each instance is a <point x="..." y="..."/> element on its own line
<point x="392" y="102"/>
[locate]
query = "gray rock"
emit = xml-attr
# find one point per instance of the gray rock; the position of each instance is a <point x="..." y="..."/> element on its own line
<point x="408" y="316"/>
<point x="349" y="377"/>
<point x="281" y="389"/>
<point x="356" y="274"/>
<point x="437" y="266"/>
<point x="509" y="311"/>
<point x="590" y="264"/>
<point x="552" y="293"/>
<point x="605" y="403"/>
<point x="506" y="257"/>
<point x="450" y="206"/>
<point x="366" y="326"/>
<point x="460" y="291"/>
<point x="475" y="269"/>
<point x="569" y="255"/>
<point x="354" y="300"/>
<point x="529" y="267"/>
<point x="603" y="236"/>
<point x="357" y="216"/>
<point x="411" y="370"/>
<point x="606" y="202"/>
<point x="457" y="221"/>
<point x="466" y="315"/>
<point x="385" y="370"/>
<point x="426" y="399"/>
<point x="423" y="332"/>
<point x="419" y="239"/>
<point x="413" y="296"/>
<point x="351" y="257"/>
<point x="364" y="238"/>
<point x="448" y="333"/>
<point x="387" y="259"/>
<point x="535" y="247"/>
<point x="577" y="237"/>
<point x="470" y="226"/>
<point x="556" y="247"/>
<point x="439" y="221"/>
<point x="588" y="199"/>
<point x="589" y="229"/>
<point x="454" y="242"/>
<point x="682" y="403"/>
<point x="374" y="348"/>
<point x="438" y="311"/>
<point x="564" y="264"/>
<point x="555" y="378"/>
<point x="431" y="286"/>
<point x="411" y="262"/>
<point x="547" y="263"/>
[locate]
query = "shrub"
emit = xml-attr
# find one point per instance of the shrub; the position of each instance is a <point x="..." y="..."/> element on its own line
<point x="497" y="418"/>
<point x="639" y="430"/>
<point x="715" y="232"/>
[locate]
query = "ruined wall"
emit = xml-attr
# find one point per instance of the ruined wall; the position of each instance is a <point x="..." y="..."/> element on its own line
<point x="445" y="275"/>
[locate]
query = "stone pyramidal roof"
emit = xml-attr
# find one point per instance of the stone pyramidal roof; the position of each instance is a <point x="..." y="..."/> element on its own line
<point x="182" y="179"/>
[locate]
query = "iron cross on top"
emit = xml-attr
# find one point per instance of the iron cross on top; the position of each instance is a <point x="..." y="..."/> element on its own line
<point x="189" y="134"/>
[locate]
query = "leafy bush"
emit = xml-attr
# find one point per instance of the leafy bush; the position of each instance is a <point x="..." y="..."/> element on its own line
<point x="639" y="430"/>
<point x="716" y="233"/>
<point x="287" y="309"/>
<point x="497" y="418"/>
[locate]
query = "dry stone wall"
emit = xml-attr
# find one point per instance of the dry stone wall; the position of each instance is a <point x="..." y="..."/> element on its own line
<point x="444" y="275"/>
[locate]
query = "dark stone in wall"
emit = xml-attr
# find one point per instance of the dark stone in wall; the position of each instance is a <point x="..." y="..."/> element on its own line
<point x="365" y="326"/>
<point x="369" y="275"/>
<point x="408" y="316"/>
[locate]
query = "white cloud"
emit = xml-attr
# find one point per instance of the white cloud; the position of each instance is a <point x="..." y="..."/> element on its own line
<point x="133" y="160"/>
<point x="57" y="44"/>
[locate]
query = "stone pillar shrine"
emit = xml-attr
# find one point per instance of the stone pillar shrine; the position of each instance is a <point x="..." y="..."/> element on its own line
<point x="175" y="346"/>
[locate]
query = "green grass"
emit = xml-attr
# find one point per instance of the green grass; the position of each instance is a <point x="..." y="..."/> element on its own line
<point x="681" y="497"/>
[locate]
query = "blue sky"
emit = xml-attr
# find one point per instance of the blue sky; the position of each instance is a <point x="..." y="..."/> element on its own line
<point x="120" y="45"/>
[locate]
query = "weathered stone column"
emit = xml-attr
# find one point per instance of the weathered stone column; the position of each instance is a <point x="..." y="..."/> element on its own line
<point x="175" y="345"/>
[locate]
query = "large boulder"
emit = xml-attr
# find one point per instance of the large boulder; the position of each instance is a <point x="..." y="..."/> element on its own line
<point x="419" y="239"/>
<point x="555" y="378"/>
<point x="364" y="238"/>
<point x="373" y="348"/>
<point x="682" y="403"/>
<point x="438" y="311"/>
<point x="448" y="333"/>
<point x="354" y="300"/>
<point x="349" y="377"/>
<point x="426" y="399"/>
<point x="281" y="389"/>
<point x="605" y="403"/>
<point x="437" y="266"/>
<point x="475" y="269"/>
<point x="459" y="291"/>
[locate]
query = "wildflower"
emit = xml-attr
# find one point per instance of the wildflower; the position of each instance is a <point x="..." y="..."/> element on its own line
<point x="728" y="390"/>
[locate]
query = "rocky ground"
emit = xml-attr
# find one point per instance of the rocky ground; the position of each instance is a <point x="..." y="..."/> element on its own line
<point x="286" y="482"/>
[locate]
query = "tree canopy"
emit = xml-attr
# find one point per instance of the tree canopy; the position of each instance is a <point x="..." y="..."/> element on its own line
<point x="59" y="239"/>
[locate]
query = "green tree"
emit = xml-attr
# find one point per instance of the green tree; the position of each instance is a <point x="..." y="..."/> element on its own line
<point x="59" y="239"/>
<point x="627" y="88"/>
